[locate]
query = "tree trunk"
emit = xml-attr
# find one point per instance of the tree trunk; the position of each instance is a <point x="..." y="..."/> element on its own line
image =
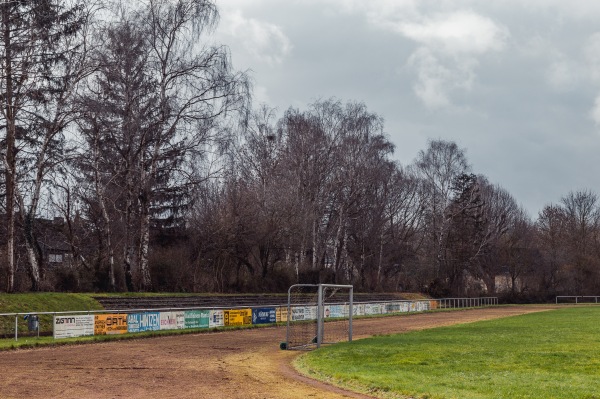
<point x="10" y="154"/>
<point x="107" y="231"/>
<point x="108" y="238"/>
<point x="344" y="259"/>
<point x="314" y="245"/>
<point x="337" y="246"/>
<point x="10" y="216"/>
<point x="378" y="283"/>
<point x="34" y="254"/>
<point x="34" y="270"/>
<point x="144" y="245"/>
<point x="128" y="247"/>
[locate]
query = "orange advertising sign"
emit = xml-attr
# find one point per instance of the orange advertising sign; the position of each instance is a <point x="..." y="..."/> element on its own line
<point x="282" y="314"/>
<point x="110" y="324"/>
<point x="237" y="317"/>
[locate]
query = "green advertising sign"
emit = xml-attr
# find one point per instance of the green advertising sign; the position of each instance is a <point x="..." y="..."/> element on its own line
<point x="196" y="318"/>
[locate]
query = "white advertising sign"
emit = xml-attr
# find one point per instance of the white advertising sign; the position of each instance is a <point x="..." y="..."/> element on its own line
<point x="216" y="319"/>
<point x="73" y="326"/>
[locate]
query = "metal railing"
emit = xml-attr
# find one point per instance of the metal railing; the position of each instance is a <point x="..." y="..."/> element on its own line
<point x="442" y="303"/>
<point x="578" y="298"/>
<point x="452" y="303"/>
<point x="118" y="311"/>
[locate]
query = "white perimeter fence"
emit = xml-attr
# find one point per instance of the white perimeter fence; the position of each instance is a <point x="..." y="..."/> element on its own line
<point x="450" y="303"/>
<point x="576" y="299"/>
<point x="102" y="322"/>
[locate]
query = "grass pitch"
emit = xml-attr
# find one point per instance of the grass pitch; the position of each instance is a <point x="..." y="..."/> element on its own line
<point x="554" y="354"/>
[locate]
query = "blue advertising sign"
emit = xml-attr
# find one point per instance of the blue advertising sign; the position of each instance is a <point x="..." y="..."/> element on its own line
<point x="264" y="316"/>
<point x="336" y="311"/>
<point x="138" y="322"/>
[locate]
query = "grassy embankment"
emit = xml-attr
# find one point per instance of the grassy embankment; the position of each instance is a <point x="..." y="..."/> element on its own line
<point x="57" y="302"/>
<point x="553" y="354"/>
<point x="37" y="302"/>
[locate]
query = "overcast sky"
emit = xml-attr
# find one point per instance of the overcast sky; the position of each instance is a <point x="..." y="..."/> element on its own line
<point x="514" y="83"/>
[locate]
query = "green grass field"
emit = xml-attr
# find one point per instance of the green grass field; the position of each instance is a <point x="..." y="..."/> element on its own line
<point x="554" y="354"/>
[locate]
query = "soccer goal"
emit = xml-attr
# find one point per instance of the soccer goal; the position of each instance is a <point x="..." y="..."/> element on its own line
<point x="318" y="314"/>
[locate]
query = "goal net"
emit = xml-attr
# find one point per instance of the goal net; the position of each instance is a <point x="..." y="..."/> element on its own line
<point x="318" y="314"/>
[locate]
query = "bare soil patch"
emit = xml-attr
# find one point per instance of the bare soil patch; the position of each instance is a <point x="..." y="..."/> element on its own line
<point x="223" y="365"/>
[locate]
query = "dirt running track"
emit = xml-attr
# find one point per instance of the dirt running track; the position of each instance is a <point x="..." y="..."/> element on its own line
<point x="224" y="365"/>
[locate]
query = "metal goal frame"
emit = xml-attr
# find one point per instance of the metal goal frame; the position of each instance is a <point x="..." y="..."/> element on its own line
<point x="320" y="320"/>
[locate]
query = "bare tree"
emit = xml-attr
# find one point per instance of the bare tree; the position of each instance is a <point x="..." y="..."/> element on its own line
<point x="550" y="229"/>
<point x="403" y="235"/>
<point x="464" y="237"/>
<point x="582" y="224"/>
<point x="504" y="223"/>
<point x="310" y="143"/>
<point x="154" y="106"/>
<point x="39" y="40"/>
<point x="438" y="167"/>
<point x="518" y="252"/>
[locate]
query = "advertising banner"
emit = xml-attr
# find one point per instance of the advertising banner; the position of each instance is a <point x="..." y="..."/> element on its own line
<point x="168" y="321"/>
<point x="237" y="317"/>
<point x="298" y="313"/>
<point x="392" y="307"/>
<point x="358" y="310"/>
<point x="334" y="311"/>
<point x="422" y="306"/>
<point x="404" y="307"/>
<point x="310" y="313"/>
<point x="73" y="326"/>
<point x="180" y="319"/>
<point x="282" y="314"/>
<point x="264" y="316"/>
<point x="196" y="318"/>
<point x="216" y="318"/>
<point x="139" y="322"/>
<point x="172" y="320"/>
<point x="373" y="308"/>
<point x="110" y="324"/>
<point x="346" y="310"/>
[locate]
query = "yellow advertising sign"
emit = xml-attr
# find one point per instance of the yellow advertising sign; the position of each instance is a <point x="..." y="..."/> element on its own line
<point x="237" y="317"/>
<point x="433" y="304"/>
<point x="110" y="324"/>
<point x="281" y="314"/>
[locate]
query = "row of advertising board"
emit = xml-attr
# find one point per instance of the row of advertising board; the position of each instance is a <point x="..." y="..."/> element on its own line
<point x="362" y="309"/>
<point x="102" y="324"/>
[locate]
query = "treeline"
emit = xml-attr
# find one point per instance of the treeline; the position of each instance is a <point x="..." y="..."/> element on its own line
<point x="133" y="160"/>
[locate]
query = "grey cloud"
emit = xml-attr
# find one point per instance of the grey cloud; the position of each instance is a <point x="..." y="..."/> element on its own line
<point x="521" y="99"/>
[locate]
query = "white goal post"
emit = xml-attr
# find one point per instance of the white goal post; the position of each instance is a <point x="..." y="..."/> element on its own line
<point x="309" y="305"/>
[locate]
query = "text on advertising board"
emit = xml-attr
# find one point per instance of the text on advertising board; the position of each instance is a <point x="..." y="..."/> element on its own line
<point x="139" y="322"/>
<point x="73" y="326"/>
<point x="237" y="317"/>
<point x="110" y="324"/>
<point x="264" y="316"/>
